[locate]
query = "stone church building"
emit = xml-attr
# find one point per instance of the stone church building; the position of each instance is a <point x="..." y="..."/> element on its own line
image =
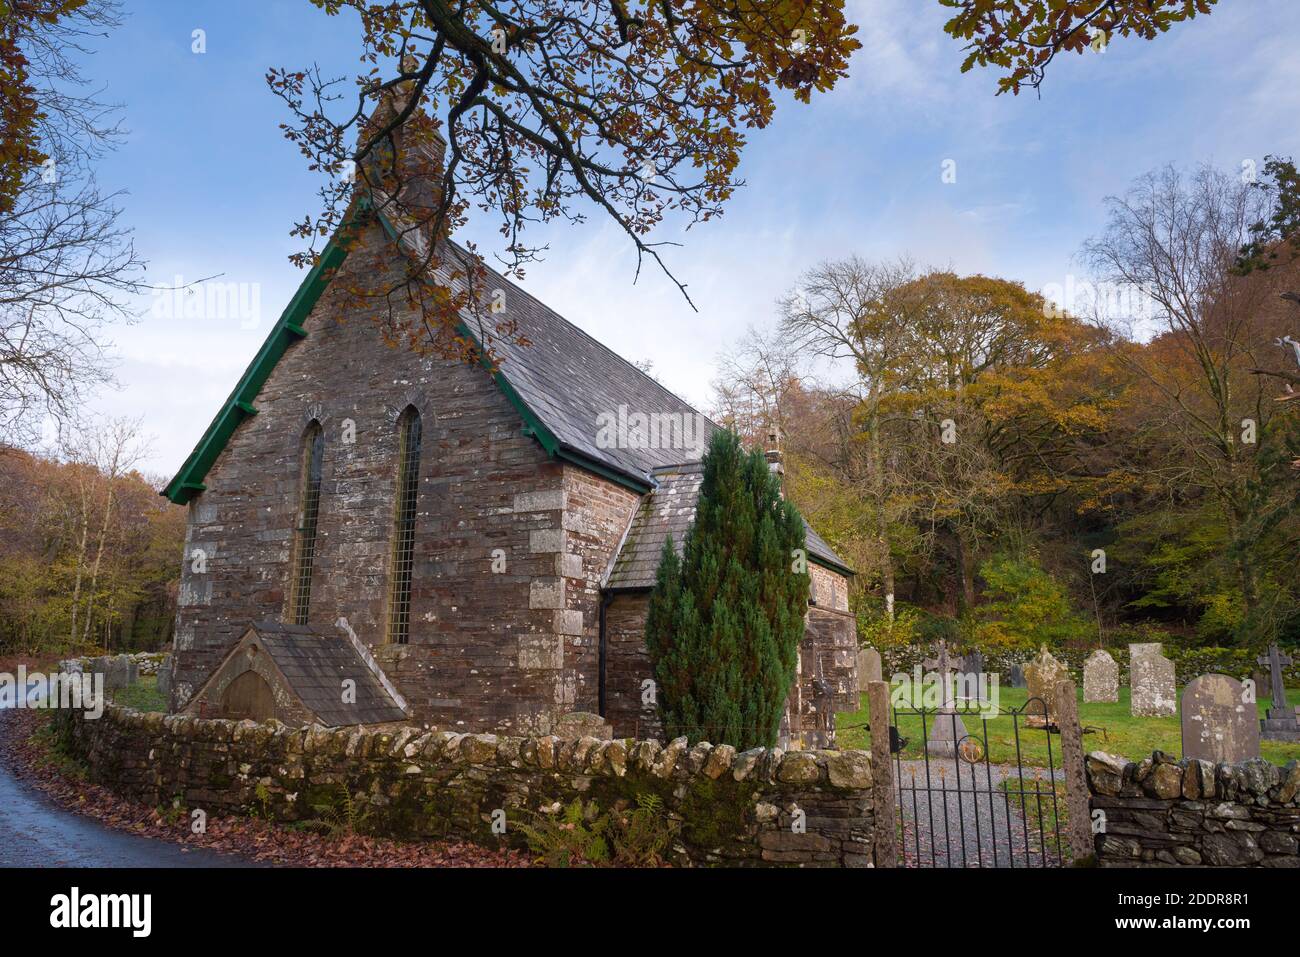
<point x="456" y="545"/>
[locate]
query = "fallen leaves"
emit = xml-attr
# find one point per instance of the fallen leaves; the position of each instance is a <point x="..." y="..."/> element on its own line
<point x="251" y="840"/>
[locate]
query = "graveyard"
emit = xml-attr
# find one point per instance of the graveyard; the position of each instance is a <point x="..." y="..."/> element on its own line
<point x="1108" y="726"/>
<point x="951" y="704"/>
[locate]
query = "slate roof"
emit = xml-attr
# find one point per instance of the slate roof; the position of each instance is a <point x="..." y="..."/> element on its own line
<point x="568" y="380"/>
<point x="315" y="664"/>
<point x="670" y="508"/>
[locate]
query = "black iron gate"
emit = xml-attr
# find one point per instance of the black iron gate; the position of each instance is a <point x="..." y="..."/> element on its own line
<point x="990" y="796"/>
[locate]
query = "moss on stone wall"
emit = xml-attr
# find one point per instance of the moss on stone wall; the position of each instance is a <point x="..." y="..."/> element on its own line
<point x="416" y="784"/>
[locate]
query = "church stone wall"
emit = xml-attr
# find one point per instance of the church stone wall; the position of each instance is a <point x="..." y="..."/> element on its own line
<point x="627" y="666"/>
<point x="490" y="647"/>
<point x="597" y="514"/>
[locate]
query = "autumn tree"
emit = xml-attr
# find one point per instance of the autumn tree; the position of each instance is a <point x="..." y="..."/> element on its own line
<point x="849" y="311"/>
<point x="101" y="454"/>
<point x="1021" y="38"/>
<point x="963" y="400"/>
<point x="543" y="110"/>
<point x="757" y="378"/>
<point x="67" y="265"/>
<point x="1176" y="237"/>
<point x="62" y="521"/>
<point x="1024" y="606"/>
<point x="768" y="392"/>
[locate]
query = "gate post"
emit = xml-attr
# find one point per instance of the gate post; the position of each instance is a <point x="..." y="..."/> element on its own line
<point x="882" y="776"/>
<point x="1079" y="827"/>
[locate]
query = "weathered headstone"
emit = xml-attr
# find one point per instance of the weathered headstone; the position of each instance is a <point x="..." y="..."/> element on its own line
<point x="1041" y="676"/>
<point x="970" y="677"/>
<point x="946" y="732"/>
<point x="1153" y="691"/>
<point x="165" y="676"/>
<point x="1283" y="721"/>
<point x="119" y="671"/>
<point x="1100" y="677"/>
<point x="868" y="666"/>
<point x="1016" y="676"/>
<point x="1218" y="723"/>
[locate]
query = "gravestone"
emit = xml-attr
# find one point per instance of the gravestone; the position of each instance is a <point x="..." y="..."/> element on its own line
<point x="1016" y="676"/>
<point x="1100" y="677"/>
<point x="945" y="735"/>
<point x="1153" y="689"/>
<point x="1218" y="723"/>
<point x="165" y="676"/>
<point x="119" y="671"/>
<point x="970" y="677"/>
<point x="946" y="728"/>
<point x="868" y="666"/>
<point x="1283" y="721"/>
<point x="1041" y="676"/>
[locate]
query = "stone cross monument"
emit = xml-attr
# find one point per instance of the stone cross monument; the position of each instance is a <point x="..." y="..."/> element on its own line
<point x="1282" y="723"/>
<point x="947" y="731"/>
<point x="942" y="665"/>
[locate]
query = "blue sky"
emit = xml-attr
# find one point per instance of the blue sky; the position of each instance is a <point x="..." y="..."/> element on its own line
<point x="214" y="187"/>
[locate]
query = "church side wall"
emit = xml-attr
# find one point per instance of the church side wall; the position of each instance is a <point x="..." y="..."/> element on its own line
<point x="487" y="649"/>
<point x="597" y="512"/>
<point x="627" y="666"/>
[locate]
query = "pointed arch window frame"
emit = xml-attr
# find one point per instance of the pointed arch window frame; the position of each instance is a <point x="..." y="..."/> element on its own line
<point x="307" y="526"/>
<point x="410" y="441"/>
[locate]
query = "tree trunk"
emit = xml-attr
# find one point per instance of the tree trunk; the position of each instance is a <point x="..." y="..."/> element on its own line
<point x="81" y="562"/>
<point x="965" y="554"/>
<point x="99" y="555"/>
<point x="880" y="492"/>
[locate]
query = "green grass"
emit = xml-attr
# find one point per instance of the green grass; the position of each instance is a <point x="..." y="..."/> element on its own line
<point x="1117" y="731"/>
<point x="143" y="696"/>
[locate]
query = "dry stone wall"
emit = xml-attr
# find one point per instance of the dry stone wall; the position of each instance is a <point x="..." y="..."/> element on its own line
<point x="722" y="807"/>
<point x="1162" y="811"/>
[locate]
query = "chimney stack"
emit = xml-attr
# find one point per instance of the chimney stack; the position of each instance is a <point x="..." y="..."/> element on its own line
<point x="775" y="463"/>
<point x="416" y="153"/>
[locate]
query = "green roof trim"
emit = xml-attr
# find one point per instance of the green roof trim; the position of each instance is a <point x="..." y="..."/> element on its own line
<point x="239" y="406"/>
<point x="535" y="428"/>
<point x="827" y="563"/>
<point x="604" y="471"/>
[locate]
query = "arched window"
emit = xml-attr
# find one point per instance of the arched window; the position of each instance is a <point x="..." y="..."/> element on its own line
<point x="304" y="551"/>
<point x="410" y="433"/>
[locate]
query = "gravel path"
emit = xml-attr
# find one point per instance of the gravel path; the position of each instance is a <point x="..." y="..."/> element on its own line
<point x="955" y="814"/>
